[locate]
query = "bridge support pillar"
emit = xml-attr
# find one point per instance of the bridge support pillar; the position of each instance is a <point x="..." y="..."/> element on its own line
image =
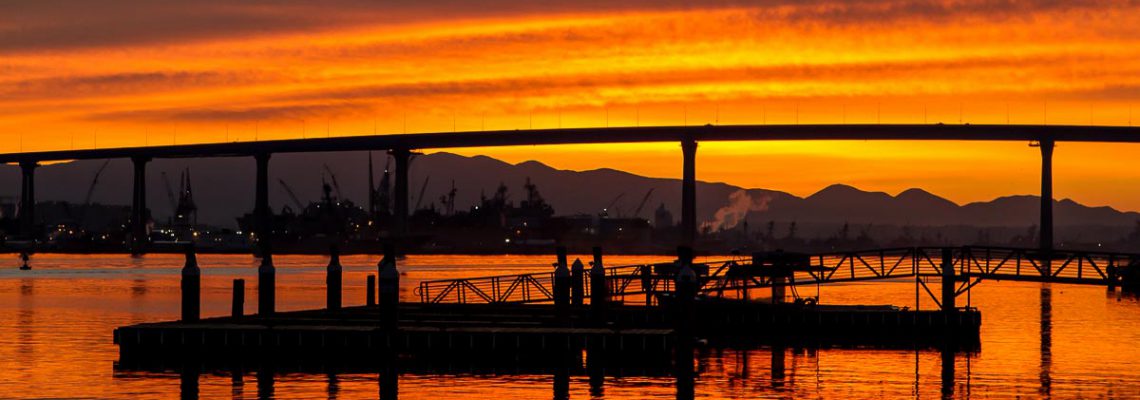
<point x="261" y="212"/>
<point x="400" y="212"/>
<point x="333" y="280"/>
<point x="139" y="214"/>
<point x="28" y="198"/>
<point x="389" y="288"/>
<point x="1046" y="228"/>
<point x="599" y="287"/>
<point x="191" y="287"/>
<point x="689" y="192"/>
<point x="949" y="284"/>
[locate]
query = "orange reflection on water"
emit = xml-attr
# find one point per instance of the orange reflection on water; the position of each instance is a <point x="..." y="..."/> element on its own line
<point x="56" y="322"/>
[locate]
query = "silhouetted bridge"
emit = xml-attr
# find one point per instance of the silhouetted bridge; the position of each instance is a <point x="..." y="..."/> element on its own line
<point x="401" y="147"/>
<point x="734" y="277"/>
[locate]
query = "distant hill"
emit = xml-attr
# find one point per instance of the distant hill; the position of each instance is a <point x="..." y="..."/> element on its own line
<point x="223" y="190"/>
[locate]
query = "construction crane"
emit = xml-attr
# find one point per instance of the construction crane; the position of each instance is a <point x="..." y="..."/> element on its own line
<point x="169" y="193"/>
<point x="292" y="196"/>
<point x="448" y="200"/>
<point x="91" y="192"/>
<point x="420" y="199"/>
<point x="643" y="201"/>
<point x="336" y="185"/>
<point x="606" y="211"/>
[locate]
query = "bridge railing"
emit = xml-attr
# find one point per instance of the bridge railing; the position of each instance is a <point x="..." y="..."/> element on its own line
<point x="1066" y="266"/>
<point x="717" y="278"/>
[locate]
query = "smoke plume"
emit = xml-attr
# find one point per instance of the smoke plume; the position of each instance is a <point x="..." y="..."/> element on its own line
<point x="739" y="204"/>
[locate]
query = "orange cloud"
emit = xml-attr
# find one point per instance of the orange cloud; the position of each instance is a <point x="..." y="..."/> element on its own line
<point x="134" y="72"/>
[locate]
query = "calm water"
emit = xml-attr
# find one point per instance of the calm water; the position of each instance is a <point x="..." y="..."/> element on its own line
<point x="1048" y="341"/>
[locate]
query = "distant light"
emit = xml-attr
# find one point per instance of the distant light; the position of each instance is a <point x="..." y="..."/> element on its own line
<point x="508" y="240"/>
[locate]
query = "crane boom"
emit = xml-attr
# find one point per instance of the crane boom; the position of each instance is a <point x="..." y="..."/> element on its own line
<point x="420" y="200"/>
<point x="91" y="192"/>
<point x="336" y="185"/>
<point x="643" y="201"/>
<point x="169" y="193"/>
<point x="292" y="196"/>
<point x="606" y="211"/>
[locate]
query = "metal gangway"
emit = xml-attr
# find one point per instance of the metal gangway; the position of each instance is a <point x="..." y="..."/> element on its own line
<point x="737" y="275"/>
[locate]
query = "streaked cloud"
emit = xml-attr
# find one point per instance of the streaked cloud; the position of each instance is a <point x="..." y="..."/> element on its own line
<point x="221" y="70"/>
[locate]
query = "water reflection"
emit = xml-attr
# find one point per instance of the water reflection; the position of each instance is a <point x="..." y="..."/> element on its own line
<point x="26" y="319"/>
<point x="1046" y="300"/>
<point x="264" y="383"/>
<point x="69" y="354"/>
<point x="189" y="384"/>
<point x="333" y="385"/>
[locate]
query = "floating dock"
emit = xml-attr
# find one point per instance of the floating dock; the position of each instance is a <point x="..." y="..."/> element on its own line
<point x="356" y="334"/>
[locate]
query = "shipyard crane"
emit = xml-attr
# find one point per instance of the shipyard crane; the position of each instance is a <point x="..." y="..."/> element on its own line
<point x="643" y="201"/>
<point x="336" y="185"/>
<point x="448" y="200"/>
<point x="91" y="192"/>
<point x="169" y="193"/>
<point x="420" y="199"/>
<point x="292" y="196"/>
<point x="606" y="211"/>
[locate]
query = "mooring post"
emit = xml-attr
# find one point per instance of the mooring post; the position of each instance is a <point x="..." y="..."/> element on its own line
<point x="561" y="285"/>
<point x="577" y="282"/>
<point x="685" y="292"/>
<point x="238" y="307"/>
<point x="1110" y="271"/>
<point x="28" y="198"/>
<point x="389" y="288"/>
<point x="138" y="207"/>
<point x="949" y="286"/>
<point x="779" y="279"/>
<point x="191" y="287"/>
<point x="370" y="291"/>
<point x="266" y="283"/>
<point x="333" y="279"/>
<point x="599" y="287"/>
<point x="689" y="192"/>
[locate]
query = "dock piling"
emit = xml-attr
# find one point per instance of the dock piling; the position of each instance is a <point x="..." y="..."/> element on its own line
<point x="238" y="307"/>
<point x="599" y="287"/>
<point x="561" y="284"/>
<point x="266" y="283"/>
<point x="191" y="287"/>
<point x="370" y="291"/>
<point x="333" y="280"/>
<point x="389" y="285"/>
<point x="577" y="282"/>
<point x="949" y="287"/>
<point x="686" y="292"/>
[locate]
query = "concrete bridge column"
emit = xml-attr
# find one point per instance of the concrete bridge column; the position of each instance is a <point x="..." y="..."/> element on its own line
<point x="1046" y="227"/>
<point x="27" y="197"/>
<point x="689" y="192"/>
<point x="261" y="212"/>
<point x="402" y="158"/>
<point x="138" y="207"/>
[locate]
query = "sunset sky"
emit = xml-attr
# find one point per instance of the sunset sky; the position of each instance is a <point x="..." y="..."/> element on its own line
<point x="79" y="74"/>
